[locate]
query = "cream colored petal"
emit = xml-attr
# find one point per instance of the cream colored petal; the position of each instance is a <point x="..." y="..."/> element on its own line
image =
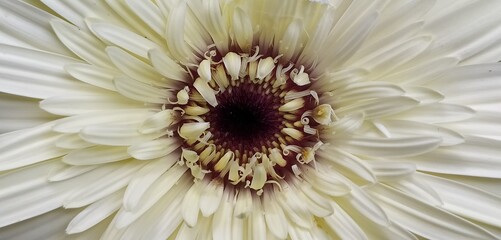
<point x="191" y="201"/>
<point x="476" y="157"/>
<point x="140" y="91"/>
<point x="75" y="124"/>
<point x="389" y="147"/>
<point x="21" y="113"/>
<point x="154" y="149"/>
<point x="24" y="147"/>
<point x="50" y="225"/>
<point x="98" y="76"/>
<point x="137" y="69"/>
<point x="116" y="134"/>
<point x="223" y="217"/>
<point x="68" y="105"/>
<point x="106" y="180"/>
<point x="343" y="225"/>
<point x="211" y="196"/>
<point x="37" y="74"/>
<point x="144" y="179"/>
<point x="379" y="107"/>
<point x="166" y="66"/>
<point x="82" y="43"/>
<point x="169" y="180"/>
<point x="96" y="155"/>
<point x="95" y="213"/>
<point x="425" y="220"/>
<point x="31" y="25"/>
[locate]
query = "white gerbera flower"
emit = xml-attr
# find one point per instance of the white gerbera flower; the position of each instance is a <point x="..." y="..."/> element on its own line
<point x="240" y="119"/>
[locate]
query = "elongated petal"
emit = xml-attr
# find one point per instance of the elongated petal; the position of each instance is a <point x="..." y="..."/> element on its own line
<point x="37" y="74"/>
<point x="389" y="147"/>
<point x="424" y="219"/>
<point x="28" y="146"/>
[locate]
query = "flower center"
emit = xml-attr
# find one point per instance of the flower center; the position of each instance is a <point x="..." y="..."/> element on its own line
<point x="245" y="117"/>
<point x="249" y="120"/>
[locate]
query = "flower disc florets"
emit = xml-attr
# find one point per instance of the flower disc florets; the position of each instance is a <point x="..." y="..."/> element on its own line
<point x="249" y="119"/>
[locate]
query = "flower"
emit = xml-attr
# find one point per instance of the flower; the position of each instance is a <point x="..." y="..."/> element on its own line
<point x="264" y="119"/>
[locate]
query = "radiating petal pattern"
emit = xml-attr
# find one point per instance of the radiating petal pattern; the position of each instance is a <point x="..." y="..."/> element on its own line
<point x="250" y="119"/>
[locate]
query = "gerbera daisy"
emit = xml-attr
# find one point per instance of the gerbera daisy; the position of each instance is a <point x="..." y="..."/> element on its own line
<point x="240" y="119"/>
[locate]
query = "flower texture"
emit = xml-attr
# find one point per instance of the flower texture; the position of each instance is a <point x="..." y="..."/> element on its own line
<point x="240" y="119"/>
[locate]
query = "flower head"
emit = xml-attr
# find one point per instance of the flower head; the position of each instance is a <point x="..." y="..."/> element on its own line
<point x="235" y="119"/>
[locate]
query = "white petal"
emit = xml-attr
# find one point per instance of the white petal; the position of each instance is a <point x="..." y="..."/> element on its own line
<point x="28" y="146"/>
<point x="149" y="13"/>
<point x="212" y="18"/>
<point x="449" y="27"/>
<point x="95" y="213"/>
<point x="68" y="171"/>
<point x="256" y="222"/>
<point x="222" y="219"/>
<point x="76" y="12"/>
<point x="325" y="182"/>
<point x="398" y="128"/>
<point x="30" y="25"/>
<point x="425" y="220"/>
<point x="166" y="66"/>
<point x="418" y="189"/>
<point x="389" y="147"/>
<point x="107" y="180"/>
<point x="291" y="42"/>
<point x="175" y="34"/>
<point x="96" y="155"/>
<point x="391" y="171"/>
<point x="143" y="180"/>
<point x="37" y="74"/>
<point x="274" y="216"/>
<point x="360" y="201"/>
<point x="83" y="44"/>
<point x="470" y="84"/>
<point x="243" y="205"/>
<point x="464" y="200"/>
<point x="97" y="76"/>
<point x="158" y="121"/>
<point x="75" y="124"/>
<point x="191" y="201"/>
<point x="211" y="197"/>
<point x="154" y="149"/>
<point x="163" y="218"/>
<point x="137" y="69"/>
<point x="317" y="203"/>
<point x="438" y="113"/>
<point x="72" y="141"/>
<point x="351" y="31"/>
<point x="347" y="164"/>
<point x="344" y="226"/>
<point x="476" y="157"/>
<point x="32" y="195"/>
<point x="387" y="59"/>
<point x="294" y="208"/>
<point x="50" y="225"/>
<point x="116" y="134"/>
<point x="121" y="37"/>
<point x="379" y="107"/>
<point x="242" y="28"/>
<point x="68" y="105"/>
<point x="169" y="180"/>
<point x="22" y="113"/>
<point x="139" y="91"/>
<point x="365" y="90"/>
<point x="481" y="124"/>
